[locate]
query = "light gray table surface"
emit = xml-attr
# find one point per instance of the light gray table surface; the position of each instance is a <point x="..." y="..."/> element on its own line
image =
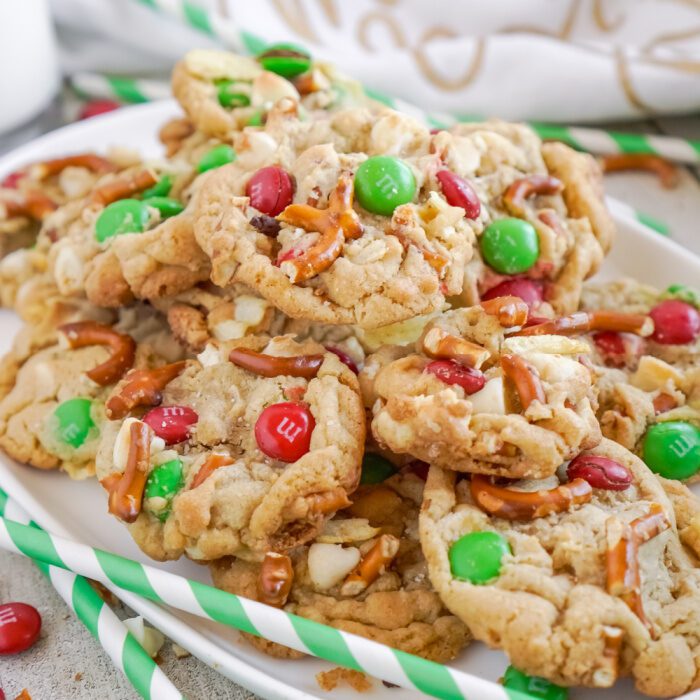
<point x="67" y="663"/>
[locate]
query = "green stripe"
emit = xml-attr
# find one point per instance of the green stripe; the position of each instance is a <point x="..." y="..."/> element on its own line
<point x="87" y="604"/>
<point x="138" y="666"/>
<point x="435" y="123"/>
<point x="379" y="96"/>
<point x="325" y="642"/>
<point x="555" y="132"/>
<point x="197" y="17"/>
<point x="429" y="677"/>
<point x="253" y="44"/>
<point x="126" y="89"/>
<point x="653" y="223"/>
<point x="150" y="3"/>
<point x="3" y="502"/>
<point x="519" y="695"/>
<point x="223" y="607"/>
<point x="36" y="544"/>
<point x="631" y="143"/>
<point x="126" y="574"/>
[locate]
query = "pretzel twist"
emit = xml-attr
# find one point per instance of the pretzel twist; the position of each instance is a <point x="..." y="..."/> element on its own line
<point x="527" y="382"/>
<point x="90" y="161"/>
<point x="122" y="187"/>
<point x="510" y="504"/>
<point x="372" y="565"/>
<point x="85" y="333"/>
<point x="336" y="224"/>
<point x="662" y="168"/>
<point x="585" y="321"/>
<point x="305" y="366"/>
<point x="275" y="579"/>
<point x="515" y="196"/>
<point x="141" y="387"/>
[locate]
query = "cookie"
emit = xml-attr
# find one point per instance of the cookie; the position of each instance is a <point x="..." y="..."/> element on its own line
<point x="472" y="398"/>
<point x="262" y="449"/>
<point x="548" y="227"/>
<point x="327" y="233"/>
<point x="394" y="604"/>
<point x="579" y="582"/>
<point x="222" y="92"/>
<point x="55" y="383"/>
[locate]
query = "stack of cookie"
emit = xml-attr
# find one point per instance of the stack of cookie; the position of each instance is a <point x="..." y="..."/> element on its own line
<point x="350" y="364"/>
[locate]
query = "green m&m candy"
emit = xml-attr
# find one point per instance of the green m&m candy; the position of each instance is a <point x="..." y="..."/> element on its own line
<point x="476" y="557"/>
<point x="534" y="686"/>
<point x="229" y="95"/>
<point x="74" y="421"/>
<point x="683" y="293"/>
<point x="375" y="469"/>
<point x="160" y="189"/>
<point x="382" y="183"/>
<point x="287" y="60"/>
<point x="167" y="206"/>
<point x="256" y="119"/>
<point x="218" y="156"/>
<point x="672" y="449"/>
<point x="162" y="485"/>
<point x="510" y="246"/>
<point x="123" y="216"/>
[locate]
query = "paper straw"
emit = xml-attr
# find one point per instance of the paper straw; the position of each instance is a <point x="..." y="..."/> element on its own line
<point x="128" y="90"/>
<point x="599" y="141"/>
<point x="119" y="644"/>
<point x="336" y="646"/>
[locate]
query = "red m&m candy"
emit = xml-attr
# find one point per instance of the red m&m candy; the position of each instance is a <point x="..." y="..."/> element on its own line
<point x="95" y="107"/>
<point x="675" y="322"/>
<point x="20" y="625"/>
<point x="343" y="357"/>
<point x="471" y="380"/>
<point x="522" y="287"/>
<point x="270" y="190"/>
<point x="172" y="423"/>
<point x="11" y="181"/>
<point x="459" y="193"/>
<point x="283" y="431"/>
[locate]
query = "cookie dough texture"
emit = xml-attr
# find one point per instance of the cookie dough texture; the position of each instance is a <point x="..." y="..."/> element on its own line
<point x="257" y="503"/>
<point x="549" y="609"/>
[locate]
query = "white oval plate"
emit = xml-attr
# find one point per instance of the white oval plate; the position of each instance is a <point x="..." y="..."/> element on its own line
<point x="77" y="509"/>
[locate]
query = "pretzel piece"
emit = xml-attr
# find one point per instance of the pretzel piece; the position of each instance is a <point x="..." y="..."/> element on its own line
<point x="510" y="311"/>
<point x="336" y="224"/>
<point x="90" y="161"/>
<point x="515" y="196"/>
<point x="275" y="579"/>
<point x="33" y="204"/>
<point x="211" y="464"/>
<point x="664" y="169"/>
<point x="84" y="333"/>
<point x="510" y="504"/>
<point x="439" y="344"/>
<point x="126" y="490"/>
<point x="305" y="366"/>
<point x="141" y="387"/>
<point x="524" y="376"/>
<point x="122" y="187"/>
<point x="328" y="501"/>
<point x="622" y="559"/>
<point x="585" y="321"/>
<point x="372" y="565"/>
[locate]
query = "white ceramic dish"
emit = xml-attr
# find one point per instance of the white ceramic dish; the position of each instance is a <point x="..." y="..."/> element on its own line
<point x="77" y="509"/>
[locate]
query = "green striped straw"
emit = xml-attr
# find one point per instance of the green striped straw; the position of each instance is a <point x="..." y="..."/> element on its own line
<point x="599" y="141"/>
<point x="121" y="646"/>
<point x="336" y="646"/>
<point x="128" y="90"/>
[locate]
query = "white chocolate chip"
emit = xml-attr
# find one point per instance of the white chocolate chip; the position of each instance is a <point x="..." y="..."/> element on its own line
<point x="69" y="271"/>
<point x="250" y="310"/>
<point x="331" y="563"/>
<point x="210" y="356"/>
<point x="120" y="453"/>
<point x="229" y="330"/>
<point x="269" y="87"/>
<point x="149" y="638"/>
<point x="653" y="374"/>
<point x="549" y="344"/>
<point x="490" y="398"/>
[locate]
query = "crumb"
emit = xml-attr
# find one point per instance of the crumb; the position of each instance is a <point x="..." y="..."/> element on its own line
<point x="328" y="680"/>
<point x="387" y="684"/>
<point x="105" y="593"/>
<point x="158" y="659"/>
<point x="179" y="651"/>
<point x="24" y="695"/>
<point x="78" y="676"/>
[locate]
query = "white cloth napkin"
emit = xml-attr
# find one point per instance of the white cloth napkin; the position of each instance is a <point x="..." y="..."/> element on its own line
<point x="552" y="60"/>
